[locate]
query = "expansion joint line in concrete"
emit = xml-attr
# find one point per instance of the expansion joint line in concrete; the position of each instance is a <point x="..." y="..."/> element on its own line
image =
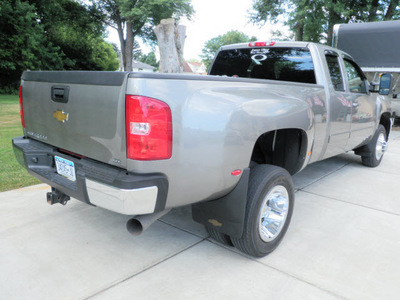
<point x="355" y="204"/>
<point x="324" y="176"/>
<point x="144" y="269"/>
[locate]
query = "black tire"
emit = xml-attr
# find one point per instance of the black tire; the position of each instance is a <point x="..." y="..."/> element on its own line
<point x="219" y="236"/>
<point x="372" y="156"/>
<point x="264" y="180"/>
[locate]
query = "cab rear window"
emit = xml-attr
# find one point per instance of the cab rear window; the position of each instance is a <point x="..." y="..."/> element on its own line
<point x="285" y="64"/>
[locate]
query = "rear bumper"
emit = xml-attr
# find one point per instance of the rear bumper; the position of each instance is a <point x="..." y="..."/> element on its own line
<point x="96" y="183"/>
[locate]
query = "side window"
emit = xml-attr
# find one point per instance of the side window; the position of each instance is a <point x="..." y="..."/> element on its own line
<point x="334" y="72"/>
<point x="355" y="77"/>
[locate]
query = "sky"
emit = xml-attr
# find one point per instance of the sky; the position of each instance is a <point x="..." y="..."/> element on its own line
<point x="213" y="18"/>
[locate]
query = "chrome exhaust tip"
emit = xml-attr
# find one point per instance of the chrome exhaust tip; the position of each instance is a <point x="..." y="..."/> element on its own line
<point x="137" y="225"/>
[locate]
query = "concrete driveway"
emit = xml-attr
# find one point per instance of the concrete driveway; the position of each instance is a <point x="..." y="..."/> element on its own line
<point x="343" y="242"/>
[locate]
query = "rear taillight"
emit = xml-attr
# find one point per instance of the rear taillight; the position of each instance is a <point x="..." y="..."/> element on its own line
<point x="148" y="129"/>
<point x="21" y="107"/>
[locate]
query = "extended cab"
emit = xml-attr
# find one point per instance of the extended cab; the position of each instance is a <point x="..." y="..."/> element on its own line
<point x="141" y="144"/>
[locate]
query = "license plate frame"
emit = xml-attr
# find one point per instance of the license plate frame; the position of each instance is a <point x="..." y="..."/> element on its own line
<point x="65" y="168"/>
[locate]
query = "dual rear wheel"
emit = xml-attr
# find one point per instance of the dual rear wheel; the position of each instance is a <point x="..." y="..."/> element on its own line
<point x="270" y="202"/>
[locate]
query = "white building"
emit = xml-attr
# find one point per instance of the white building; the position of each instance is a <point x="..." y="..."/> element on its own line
<point x="194" y="68"/>
<point x="138" y="66"/>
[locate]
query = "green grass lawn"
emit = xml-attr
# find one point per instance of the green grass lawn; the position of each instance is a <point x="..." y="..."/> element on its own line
<point x="12" y="174"/>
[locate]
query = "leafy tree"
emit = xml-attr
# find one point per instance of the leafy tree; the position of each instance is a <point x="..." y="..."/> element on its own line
<point x="314" y="20"/>
<point x="137" y="18"/>
<point x="104" y="56"/>
<point x="137" y="51"/>
<point x="23" y="44"/>
<point x="50" y="35"/>
<point x="77" y="30"/>
<point x="211" y="47"/>
<point x="150" y="59"/>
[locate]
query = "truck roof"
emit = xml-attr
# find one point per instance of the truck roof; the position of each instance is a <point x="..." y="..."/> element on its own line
<point x="374" y="45"/>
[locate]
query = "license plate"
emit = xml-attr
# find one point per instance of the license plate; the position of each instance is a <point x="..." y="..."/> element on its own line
<point x="65" y="168"/>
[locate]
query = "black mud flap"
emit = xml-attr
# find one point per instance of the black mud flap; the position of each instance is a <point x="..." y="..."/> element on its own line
<point x="225" y="214"/>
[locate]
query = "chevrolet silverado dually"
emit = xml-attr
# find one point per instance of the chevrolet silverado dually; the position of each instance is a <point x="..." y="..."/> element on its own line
<point x="227" y="143"/>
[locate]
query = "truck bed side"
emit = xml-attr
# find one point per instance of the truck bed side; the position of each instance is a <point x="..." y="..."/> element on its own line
<point x="217" y="122"/>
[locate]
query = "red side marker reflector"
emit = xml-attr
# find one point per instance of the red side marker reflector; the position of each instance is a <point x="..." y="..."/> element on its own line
<point x="236" y="172"/>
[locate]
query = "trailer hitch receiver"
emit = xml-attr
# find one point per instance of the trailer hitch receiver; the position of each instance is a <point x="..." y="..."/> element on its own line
<point x="55" y="196"/>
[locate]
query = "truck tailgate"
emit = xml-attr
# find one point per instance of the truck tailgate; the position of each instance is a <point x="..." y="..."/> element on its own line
<point x="80" y="112"/>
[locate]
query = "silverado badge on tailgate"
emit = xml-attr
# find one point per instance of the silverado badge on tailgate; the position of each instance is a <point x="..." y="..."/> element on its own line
<point x="61" y="116"/>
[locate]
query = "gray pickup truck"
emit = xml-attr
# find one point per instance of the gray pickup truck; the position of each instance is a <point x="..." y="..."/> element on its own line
<point x="227" y="144"/>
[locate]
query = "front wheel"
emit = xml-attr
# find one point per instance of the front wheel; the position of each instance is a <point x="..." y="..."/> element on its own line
<point x="375" y="148"/>
<point x="269" y="209"/>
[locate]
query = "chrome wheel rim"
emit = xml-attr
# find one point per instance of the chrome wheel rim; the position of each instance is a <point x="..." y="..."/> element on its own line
<point x="273" y="213"/>
<point x="381" y="146"/>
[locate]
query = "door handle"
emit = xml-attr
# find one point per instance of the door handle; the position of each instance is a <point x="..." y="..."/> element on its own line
<point x="60" y="93"/>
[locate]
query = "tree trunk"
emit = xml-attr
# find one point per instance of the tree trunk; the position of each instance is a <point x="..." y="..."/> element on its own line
<point x="392" y="6"/>
<point x="129" y="47"/>
<point x="299" y="31"/>
<point x="122" y="43"/>
<point x="372" y="11"/>
<point x="120" y="30"/>
<point x="171" y="40"/>
<point x="333" y="18"/>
